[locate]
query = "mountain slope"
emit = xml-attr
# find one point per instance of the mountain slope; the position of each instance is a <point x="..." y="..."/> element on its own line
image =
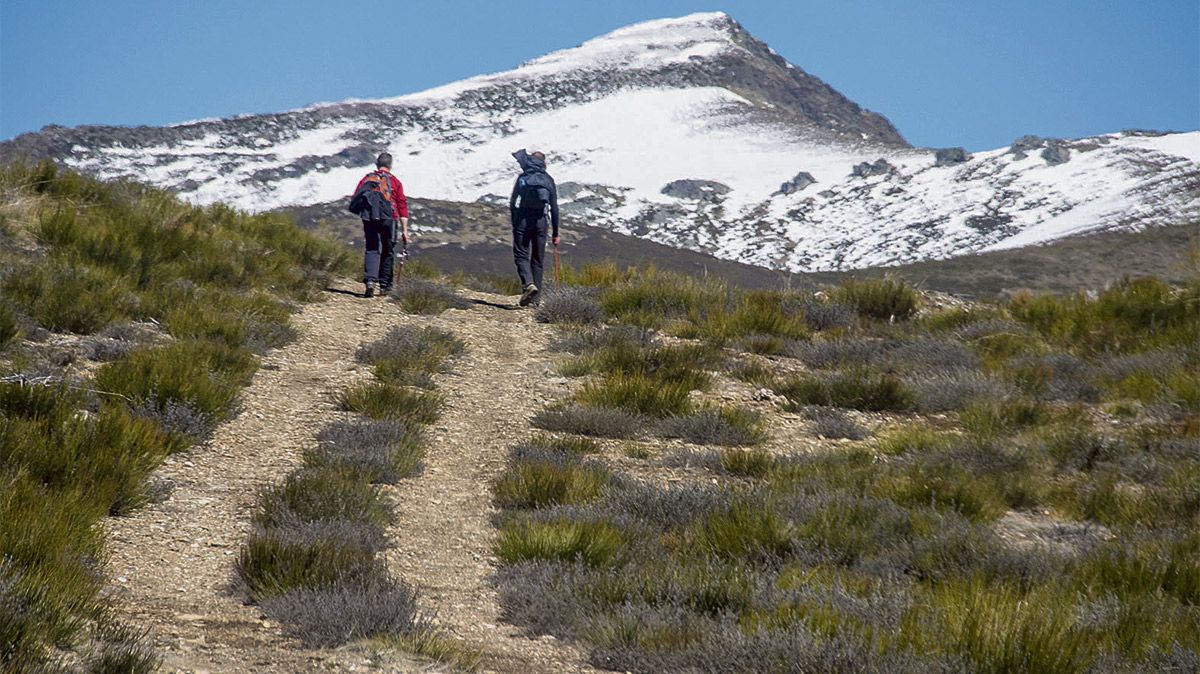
<point x="688" y="132"/>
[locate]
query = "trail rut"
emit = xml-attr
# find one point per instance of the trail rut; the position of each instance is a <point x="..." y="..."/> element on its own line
<point x="172" y="563"/>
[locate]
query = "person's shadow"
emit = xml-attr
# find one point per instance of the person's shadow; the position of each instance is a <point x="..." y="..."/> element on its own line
<point x="342" y="291"/>
<point x="495" y="305"/>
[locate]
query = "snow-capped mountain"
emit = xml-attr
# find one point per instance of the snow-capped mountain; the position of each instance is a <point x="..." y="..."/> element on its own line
<point x="685" y="131"/>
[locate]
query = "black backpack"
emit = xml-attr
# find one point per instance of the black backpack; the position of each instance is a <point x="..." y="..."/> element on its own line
<point x="373" y="199"/>
<point x="533" y="192"/>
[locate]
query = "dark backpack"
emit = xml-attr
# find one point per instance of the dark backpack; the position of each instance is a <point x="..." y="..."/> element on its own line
<point x="533" y="192"/>
<point x="373" y="199"/>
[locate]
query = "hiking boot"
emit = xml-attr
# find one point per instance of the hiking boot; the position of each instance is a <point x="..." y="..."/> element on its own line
<point x="370" y="292"/>
<point x="530" y="292"/>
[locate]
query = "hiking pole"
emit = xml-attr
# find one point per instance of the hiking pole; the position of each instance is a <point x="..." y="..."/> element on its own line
<point x="557" y="277"/>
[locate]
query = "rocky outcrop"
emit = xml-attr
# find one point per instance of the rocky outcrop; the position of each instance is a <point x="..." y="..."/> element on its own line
<point x="880" y="167"/>
<point x="1056" y="152"/>
<point x="797" y="184"/>
<point x="706" y="190"/>
<point x="950" y="156"/>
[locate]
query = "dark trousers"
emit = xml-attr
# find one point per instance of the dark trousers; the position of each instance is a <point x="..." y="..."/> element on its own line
<point x="529" y="248"/>
<point x="378" y="258"/>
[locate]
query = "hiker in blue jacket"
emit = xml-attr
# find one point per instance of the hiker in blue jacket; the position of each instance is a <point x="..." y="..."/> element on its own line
<point x="533" y="194"/>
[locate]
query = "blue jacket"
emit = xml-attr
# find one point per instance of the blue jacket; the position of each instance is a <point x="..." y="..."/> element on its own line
<point x="533" y="191"/>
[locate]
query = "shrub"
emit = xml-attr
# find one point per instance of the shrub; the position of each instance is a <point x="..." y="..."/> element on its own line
<point x="579" y="341"/>
<point x="204" y="376"/>
<point x="855" y="390"/>
<point x="991" y="418"/>
<point x="330" y="616"/>
<point x="119" y="649"/>
<point x="746" y="462"/>
<point x="380" y="451"/>
<point x="650" y="298"/>
<point x="590" y="542"/>
<point x="408" y="355"/>
<point x="880" y="299"/>
<point x="638" y="394"/>
<point x="821" y="315"/>
<point x="383" y="400"/>
<point x="72" y="298"/>
<point x="323" y="494"/>
<point x="954" y="390"/>
<point x="539" y="478"/>
<point x="419" y="296"/>
<point x="1054" y="377"/>
<point x="10" y="327"/>
<point x="1133" y="315"/>
<point x="758" y="312"/>
<point x="275" y="561"/>
<point x="832" y="423"/>
<point x="601" y="422"/>
<point x="745" y="531"/>
<point x="568" y="445"/>
<point x="731" y="426"/>
<point x="568" y="305"/>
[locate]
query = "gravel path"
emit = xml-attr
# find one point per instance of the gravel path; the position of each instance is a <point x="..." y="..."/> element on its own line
<point x="172" y="563"/>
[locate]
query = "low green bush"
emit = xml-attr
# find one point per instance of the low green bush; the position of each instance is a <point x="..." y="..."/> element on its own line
<point x="383" y="400"/>
<point x="880" y="299"/>
<point x="853" y="390"/>
<point x="590" y="542"/>
<point x="541" y="479"/>
<point x="273" y="562"/>
<point x="315" y="494"/>
<point x="639" y="395"/>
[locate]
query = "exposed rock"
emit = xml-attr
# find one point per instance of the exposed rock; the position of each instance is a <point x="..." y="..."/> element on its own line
<point x="803" y="179"/>
<point x="695" y="189"/>
<point x="950" y="156"/>
<point x="1056" y="152"/>
<point x="879" y="168"/>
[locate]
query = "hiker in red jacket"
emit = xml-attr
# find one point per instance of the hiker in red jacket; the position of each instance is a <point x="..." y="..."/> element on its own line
<point x="379" y="200"/>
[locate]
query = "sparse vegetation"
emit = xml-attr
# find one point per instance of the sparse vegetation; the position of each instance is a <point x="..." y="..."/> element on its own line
<point x="426" y="297"/>
<point x="89" y="257"/>
<point x="897" y="553"/>
<point x="314" y="560"/>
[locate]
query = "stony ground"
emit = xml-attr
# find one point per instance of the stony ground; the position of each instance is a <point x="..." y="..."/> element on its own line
<point x="172" y="563"/>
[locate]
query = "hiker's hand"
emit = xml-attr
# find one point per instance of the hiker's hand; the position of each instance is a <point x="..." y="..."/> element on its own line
<point x="556" y="240"/>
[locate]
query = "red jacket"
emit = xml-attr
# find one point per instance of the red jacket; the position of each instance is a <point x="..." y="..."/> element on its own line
<point x="399" y="203"/>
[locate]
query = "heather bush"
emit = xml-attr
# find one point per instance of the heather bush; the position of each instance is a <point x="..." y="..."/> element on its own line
<point x="601" y="422"/>
<point x="954" y="390"/>
<point x="1055" y="377"/>
<point x="10" y="326"/>
<point x="821" y="316"/>
<point x="730" y="426"/>
<point x="651" y="297"/>
<point x="421" y="296"/>
<point x="322" y="493"/>
<point x="835" y="424"/>
<point x="582" y="340"/>
<point x="379" y="451"/>
<point x="408" y="355"/>
<point x="571" y="305"/>
<point x="333" y="615"/>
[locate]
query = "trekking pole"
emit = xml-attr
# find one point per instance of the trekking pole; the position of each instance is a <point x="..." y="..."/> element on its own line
<point x="557" y="277"/>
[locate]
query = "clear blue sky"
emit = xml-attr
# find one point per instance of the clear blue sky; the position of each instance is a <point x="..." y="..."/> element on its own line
<point x="946" y="72"/>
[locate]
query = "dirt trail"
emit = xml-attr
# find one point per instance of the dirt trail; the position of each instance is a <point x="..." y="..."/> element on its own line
<point x="443" y="531"/>
<point x="171" y="563"/>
